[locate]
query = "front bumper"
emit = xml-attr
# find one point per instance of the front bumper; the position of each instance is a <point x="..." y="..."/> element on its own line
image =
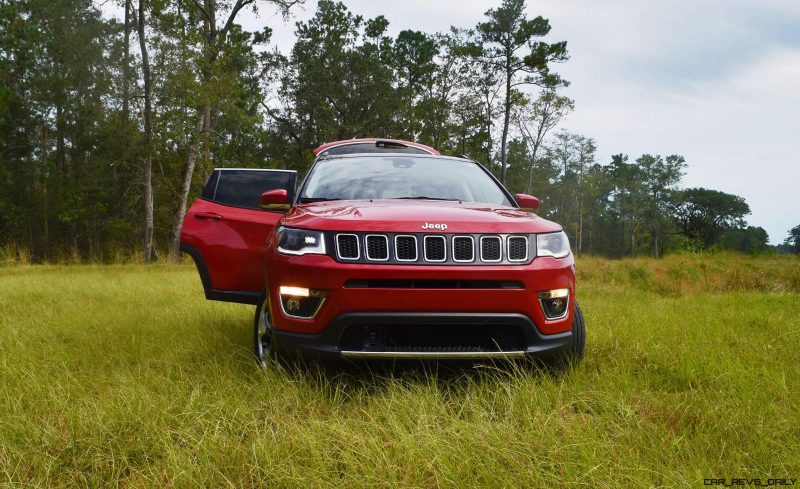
<point x="327" y="345"/>
<point x="438" y="308"/>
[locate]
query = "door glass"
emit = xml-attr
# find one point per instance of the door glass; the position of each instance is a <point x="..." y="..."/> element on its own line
<point x="243" y="188"/>
<point x="211" y="186"/>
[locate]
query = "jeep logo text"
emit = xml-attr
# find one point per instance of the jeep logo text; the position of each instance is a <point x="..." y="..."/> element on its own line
<point x="440" y="227"/>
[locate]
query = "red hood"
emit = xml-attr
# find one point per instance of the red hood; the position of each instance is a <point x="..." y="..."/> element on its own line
<point x="408" y="216"/>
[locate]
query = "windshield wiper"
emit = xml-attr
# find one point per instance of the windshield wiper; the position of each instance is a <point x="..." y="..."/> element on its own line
<point x="422" y="197"/>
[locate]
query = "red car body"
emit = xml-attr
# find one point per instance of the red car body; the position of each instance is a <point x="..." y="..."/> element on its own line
<point x="382" y="308"/>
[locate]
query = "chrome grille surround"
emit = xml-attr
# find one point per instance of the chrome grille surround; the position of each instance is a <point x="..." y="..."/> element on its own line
<point x="339" y="247"/>
<point x="370" y="238"/>
<point x="462" y="238"/>
<point x="484" y="243"/>
<point x="397" y="248"/>
<point x="426" y="247"/>
<point x="512" y="243"/>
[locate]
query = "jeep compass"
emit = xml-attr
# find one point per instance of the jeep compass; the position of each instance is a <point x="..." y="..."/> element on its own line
<point x="387" y="250"/>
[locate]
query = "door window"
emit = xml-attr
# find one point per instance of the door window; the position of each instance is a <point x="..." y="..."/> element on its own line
<point x="243" y="188"/>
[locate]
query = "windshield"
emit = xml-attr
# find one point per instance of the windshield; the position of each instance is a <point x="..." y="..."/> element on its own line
<point x="401" y="177"/>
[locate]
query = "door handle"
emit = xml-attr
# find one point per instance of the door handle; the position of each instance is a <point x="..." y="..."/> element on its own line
<point x="211" y="216"/>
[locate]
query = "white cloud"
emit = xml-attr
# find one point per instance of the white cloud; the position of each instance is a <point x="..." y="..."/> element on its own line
<point x="738" y="134"/>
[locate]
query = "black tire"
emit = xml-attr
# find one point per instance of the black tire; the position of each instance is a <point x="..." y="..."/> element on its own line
<point x="263" y="336"/>
<point x="573" y="354"/>
<point x="578" y="334"/>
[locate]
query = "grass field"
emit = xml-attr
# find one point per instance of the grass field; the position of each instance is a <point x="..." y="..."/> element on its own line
<point x="123" y="375"/>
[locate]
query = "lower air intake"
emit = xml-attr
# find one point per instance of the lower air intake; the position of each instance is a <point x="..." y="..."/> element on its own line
<point x="433" y="338"/>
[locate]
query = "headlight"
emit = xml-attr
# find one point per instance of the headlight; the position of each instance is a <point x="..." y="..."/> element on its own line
<point x="300" y="241"/>
<point x="552" y="244"/>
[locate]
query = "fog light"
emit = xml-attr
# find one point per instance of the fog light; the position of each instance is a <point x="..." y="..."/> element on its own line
<point x="555" y="303"/>
<point x="293" y="304"/>
<point x="300" y="302"/>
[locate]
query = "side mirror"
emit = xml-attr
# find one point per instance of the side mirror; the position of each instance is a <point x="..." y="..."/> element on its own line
<point x="526" y="201"/>
<point x="273" y="200"/>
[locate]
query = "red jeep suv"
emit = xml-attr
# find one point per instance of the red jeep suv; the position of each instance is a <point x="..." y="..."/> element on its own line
<point x="387" y="250"/>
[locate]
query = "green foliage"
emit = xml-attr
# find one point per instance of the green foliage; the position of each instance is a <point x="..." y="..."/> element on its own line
<point x="336" y="83"/>
<point x="616" y="209"/>
<point x="52" y="61"/>
<point x="71" y="125"/>
<point x="509" y="49"/>
<point x="751" y="240"/>
<point x="506" y="32"/>
<point x="793" y="240"/>
<point x="71" y="170"/>
<point x="704" y="214"/>
<point x="535" y="119"/>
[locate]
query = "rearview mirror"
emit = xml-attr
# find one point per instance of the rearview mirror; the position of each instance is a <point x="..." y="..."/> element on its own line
<point x="526" y="201"/>
<point x="273" y="200"/>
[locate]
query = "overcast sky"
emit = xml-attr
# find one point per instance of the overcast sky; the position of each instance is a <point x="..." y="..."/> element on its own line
<point x="715" y="81"/>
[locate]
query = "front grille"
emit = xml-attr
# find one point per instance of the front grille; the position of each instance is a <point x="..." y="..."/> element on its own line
<point x="456" y="337"/>
<point x="377" y="247"/>
<point x="491" y="248"/>
<point x="405" y="247"/>
<point x="517" y="248"/>
<point x="435" y="248"/>
<point x="347" y="246"/>
<point x="463" y="248"/>
<point x="432" y="249"/>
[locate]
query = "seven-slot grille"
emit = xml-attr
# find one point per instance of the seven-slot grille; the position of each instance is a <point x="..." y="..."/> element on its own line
<point x="432" y="249"/>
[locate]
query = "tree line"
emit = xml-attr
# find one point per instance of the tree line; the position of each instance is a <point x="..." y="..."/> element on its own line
<point x="109" y="127"/>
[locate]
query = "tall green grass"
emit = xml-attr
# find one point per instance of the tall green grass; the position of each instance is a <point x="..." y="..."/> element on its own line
<point x="124" y="375"/>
